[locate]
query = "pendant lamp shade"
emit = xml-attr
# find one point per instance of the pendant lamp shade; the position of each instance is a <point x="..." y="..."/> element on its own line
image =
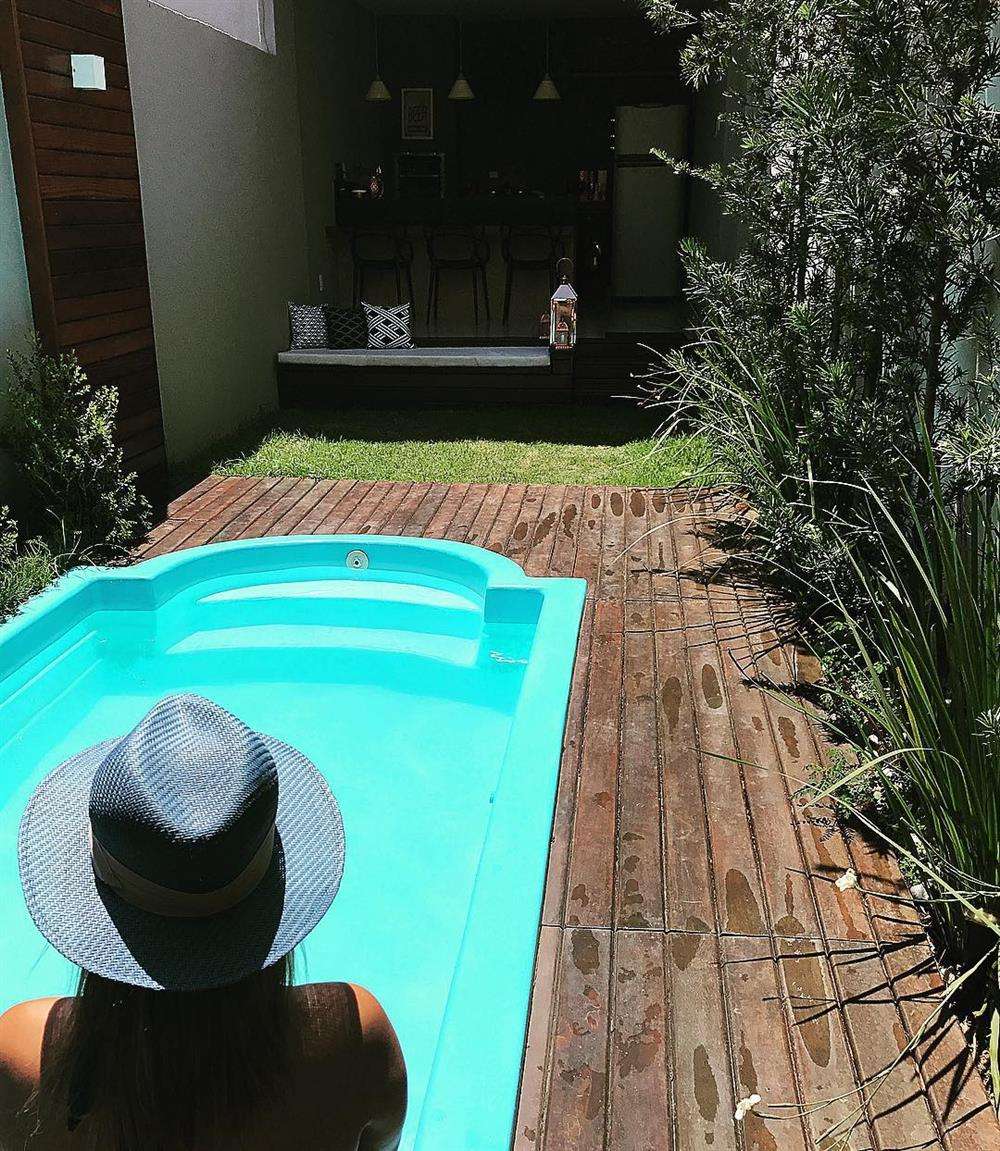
<point x="547" y="89"/>
<point x="461" y="89"/>
<point x="377" y="92"/>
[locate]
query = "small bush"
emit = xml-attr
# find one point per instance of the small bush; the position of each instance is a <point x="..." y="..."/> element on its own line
<point x="24" y="572"/>
<point x="60" y="432"/>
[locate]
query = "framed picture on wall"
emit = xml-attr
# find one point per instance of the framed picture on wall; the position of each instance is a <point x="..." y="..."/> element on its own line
<point x="418" y="113"/>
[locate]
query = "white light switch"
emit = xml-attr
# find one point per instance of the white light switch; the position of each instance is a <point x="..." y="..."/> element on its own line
<point x="88" y="72"/>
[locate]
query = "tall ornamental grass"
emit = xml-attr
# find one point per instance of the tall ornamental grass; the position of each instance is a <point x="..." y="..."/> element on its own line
<point x="930" y="652"/>
<point x="842" y="364"/>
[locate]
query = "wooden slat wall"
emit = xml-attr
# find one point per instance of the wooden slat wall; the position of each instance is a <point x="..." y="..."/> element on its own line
<point x="78" y="187"/>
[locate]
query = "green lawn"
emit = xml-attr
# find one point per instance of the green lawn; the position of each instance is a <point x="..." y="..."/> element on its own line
<point x="498" y="444"/>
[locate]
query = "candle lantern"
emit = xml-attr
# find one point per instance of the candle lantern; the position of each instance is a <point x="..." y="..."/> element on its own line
<point x="562" y="310"/>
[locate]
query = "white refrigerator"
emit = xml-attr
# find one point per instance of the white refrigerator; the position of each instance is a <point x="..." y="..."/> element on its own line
<point x="648" y="201"/>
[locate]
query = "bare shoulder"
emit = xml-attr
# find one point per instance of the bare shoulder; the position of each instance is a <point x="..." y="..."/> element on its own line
<point x="22" y="1033"/>
<point x="373" y="1021"/>
<point x="386" y="1070"/>
<point x="346" y="1015"/>
<point x="347" y="1021"/>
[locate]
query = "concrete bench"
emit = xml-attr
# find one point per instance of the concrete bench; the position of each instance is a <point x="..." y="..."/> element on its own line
<point x="321" y="377"/>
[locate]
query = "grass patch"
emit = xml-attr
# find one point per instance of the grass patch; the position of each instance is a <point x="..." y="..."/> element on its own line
<point x="24" y="576"/>
<point x="502" y="444"/>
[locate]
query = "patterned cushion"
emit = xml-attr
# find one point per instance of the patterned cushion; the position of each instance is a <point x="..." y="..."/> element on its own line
<point x="388" y="327"/>
<point x="308" y="324"/>
<point x="347" y="328"/>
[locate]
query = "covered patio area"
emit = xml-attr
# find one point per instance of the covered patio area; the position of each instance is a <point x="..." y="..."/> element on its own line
<point x="695" y="948"/>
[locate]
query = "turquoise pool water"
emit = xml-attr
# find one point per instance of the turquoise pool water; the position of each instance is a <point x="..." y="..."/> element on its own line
<point x="430" y="688"/>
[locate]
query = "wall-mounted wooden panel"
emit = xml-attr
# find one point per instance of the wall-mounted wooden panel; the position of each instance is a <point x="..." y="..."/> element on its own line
<point x="78" y="187"/>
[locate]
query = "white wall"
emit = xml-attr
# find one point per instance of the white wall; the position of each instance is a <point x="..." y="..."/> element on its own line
<point x="220" y="164"/>
<point x="711" y="144"/>
<point x="15" y="303"/>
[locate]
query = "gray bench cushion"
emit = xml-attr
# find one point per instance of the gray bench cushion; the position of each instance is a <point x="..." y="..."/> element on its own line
<point x="511" y="357"/>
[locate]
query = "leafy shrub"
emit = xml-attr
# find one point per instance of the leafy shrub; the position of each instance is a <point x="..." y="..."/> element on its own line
<point x="823" y="367"/>
<point x="863" y="175"/>
<point x="60" y="432"/>
<point x="23" y="573"/>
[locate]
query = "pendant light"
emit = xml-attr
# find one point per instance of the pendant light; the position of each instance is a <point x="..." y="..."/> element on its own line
<point x="547" y="90"/>
<point x="461" y="89"/>
<point x="377" y="92"/>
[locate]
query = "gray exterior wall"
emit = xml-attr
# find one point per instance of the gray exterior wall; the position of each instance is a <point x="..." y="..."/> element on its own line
<point x="220" y="163"/>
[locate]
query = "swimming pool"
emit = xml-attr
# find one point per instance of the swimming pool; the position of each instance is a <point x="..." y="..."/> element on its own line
<point x="427" y="680"/>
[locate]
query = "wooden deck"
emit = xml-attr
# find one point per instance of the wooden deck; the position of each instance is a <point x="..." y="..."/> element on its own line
<point x="694" y="947"/>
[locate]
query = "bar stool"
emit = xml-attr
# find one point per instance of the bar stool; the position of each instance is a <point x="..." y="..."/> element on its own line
<point x="529" y="249"/>
<point x="381" y="250"/>
<point x="456" y="248"/>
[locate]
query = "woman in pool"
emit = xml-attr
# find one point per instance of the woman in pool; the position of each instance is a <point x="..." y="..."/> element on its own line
<point x="179" y="867"/>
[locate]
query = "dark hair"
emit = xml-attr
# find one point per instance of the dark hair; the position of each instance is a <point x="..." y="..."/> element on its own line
<point x="166" y="1070"/>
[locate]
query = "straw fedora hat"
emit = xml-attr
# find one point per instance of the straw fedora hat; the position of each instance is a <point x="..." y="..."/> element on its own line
<point x="187" y="854"/>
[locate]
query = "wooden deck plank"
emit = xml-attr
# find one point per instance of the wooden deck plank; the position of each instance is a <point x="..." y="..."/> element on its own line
<point x="528" y="517"/>
<point x="497" y="537"/>
<point x="199" y="512"/>
<point x="899" y="1112"/>
<point x="346" y="515"/>
<point x="310" y="510"/>
<point x="531" y="1102"/>
<point x="538" y="557"/>
<point x="417" y="521"/>
<point x="760" y="1046"/>
<point x="947" y="1065"/>
<point x="740" y="904"/>
<point x="479" y="530"/>
<point x="177" y="507"/>
<point x="703" y="1093"/>
<point x="591" y="526"/>
<point x="331" y="495"/>
<point x="640" y="1103"/>
<point x="639" y="862"/>
<point x="694" y="948"/>
<point x="374" y="515"/>
<point x="638" y="582"/>
<point x="234" y="503"/>
<point x="590" y="885"/>
<point x="613" y="552"/>
<point x="578" y="1083"/>
<point x="826" y="1072"/>
<point x="284" y="504"/>
<point x="255" y="511"/>
<point x="473" y="497"/>
<point x="562" y="561"/>
<point x="689" y="905"/>
<point x="439" y="525"/>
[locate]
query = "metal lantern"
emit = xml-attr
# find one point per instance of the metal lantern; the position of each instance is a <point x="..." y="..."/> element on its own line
<point x="562" y="310"/>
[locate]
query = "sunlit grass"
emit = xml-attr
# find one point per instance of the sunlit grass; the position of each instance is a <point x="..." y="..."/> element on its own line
<point x="512" y="444"/>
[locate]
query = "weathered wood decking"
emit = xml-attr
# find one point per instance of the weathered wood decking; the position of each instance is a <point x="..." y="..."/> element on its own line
<point x="694" y="947"/>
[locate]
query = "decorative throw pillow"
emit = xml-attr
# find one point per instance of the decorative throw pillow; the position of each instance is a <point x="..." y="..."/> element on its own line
<point x="388" y="327"/>
<point x="308" y="324"/>
<point x="346" y="328"/>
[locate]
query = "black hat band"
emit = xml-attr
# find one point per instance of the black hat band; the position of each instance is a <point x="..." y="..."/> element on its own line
<point x="153" y="897"/>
